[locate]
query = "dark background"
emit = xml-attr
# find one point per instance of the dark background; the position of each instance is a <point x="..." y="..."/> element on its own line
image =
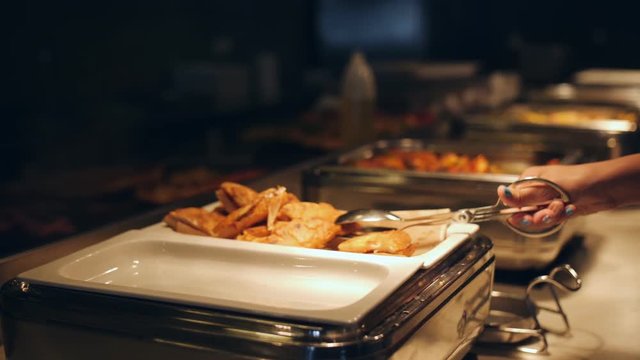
<point x="90" y="84"/>
<point x="93" y="82"/>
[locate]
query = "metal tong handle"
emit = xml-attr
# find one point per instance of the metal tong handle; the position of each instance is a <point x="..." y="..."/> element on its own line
<point x="492" y="212"/>
<point x="564" y="196"/>
<point x="478" y="214"/>
<point x="433" y="219"/>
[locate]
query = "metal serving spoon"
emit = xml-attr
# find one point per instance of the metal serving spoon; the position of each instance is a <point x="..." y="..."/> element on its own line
<point x="367" y="220"/>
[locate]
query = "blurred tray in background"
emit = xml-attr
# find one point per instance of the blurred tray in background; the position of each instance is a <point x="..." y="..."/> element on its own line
<point x="627" y="95"/>
<point x="604" y="76"/>
<point x="601" y="131"/>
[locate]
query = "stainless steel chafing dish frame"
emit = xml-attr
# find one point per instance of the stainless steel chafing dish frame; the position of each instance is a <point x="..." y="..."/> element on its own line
<point x="70" y="323"/>
<point x="600" y="139"/>
<point x="514" y="324"/>
<point x="348" y="187"/>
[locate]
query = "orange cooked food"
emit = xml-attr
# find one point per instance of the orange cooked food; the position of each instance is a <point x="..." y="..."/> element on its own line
<point x="383" y="242"/>
<point x="312" y="233"/>
<point x="275" y="216"/>
<point x="573" y="115"/>
<point x="428" y="161"/>
<point x="309" y="210"/>
<point x="196" y="221"/>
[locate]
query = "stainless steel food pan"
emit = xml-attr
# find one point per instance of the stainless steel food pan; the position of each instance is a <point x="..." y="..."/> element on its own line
<point x="627" y="96"/>
<point x="349" y="188"/>
<point x="437" y="312"/>
<point x="603" y="131"/>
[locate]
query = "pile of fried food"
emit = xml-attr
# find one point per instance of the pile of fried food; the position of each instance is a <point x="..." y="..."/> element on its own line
<point x="425" y="160"/>
<point x="276" y="216"/>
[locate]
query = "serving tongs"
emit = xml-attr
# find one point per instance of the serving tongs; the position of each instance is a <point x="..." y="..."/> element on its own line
<point x="368" y="220"/>
<point x="514" y="322"/>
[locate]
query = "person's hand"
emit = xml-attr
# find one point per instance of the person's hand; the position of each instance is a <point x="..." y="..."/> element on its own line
<point x="592" y="187"/>
<point x="573" y="179"/>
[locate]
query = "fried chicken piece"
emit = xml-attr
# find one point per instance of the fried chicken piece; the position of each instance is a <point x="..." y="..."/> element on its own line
<point x="233" y="196"/>
<point x="195" y="221"/>
<point x="309" y="210"/>
<point x="266" y="203"/>
<point x="311" y="233"/>
<point x="276" y="201"/>
<point x="394" y="242"/>
<point x="255" y="234"/>
<point x="241" y="219"/>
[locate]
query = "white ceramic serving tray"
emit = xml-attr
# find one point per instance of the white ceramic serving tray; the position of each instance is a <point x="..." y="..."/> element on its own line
<point x="432" y="242"/>
<point x="158" y="264"/>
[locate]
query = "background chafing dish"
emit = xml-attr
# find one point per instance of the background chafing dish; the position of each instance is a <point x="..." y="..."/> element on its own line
<point x="603" y="131"/>
<point x="628" y="95"/>
<point x="439" y="310"/>
<point x="349" y="188"/>
<point x="607" y="76"/>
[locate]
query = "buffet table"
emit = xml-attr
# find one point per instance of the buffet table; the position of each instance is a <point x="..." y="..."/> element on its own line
<point x="604" y="314"/>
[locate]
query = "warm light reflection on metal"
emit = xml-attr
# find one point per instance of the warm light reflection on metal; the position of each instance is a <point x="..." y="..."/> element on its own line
<point x="565" y="91"/>
<point x="180" y="344"/>
<point x="304" y="266"/>
<point x="616" y="125"/>
<point x="196" y="321"/>
<point x="283" y="330"/>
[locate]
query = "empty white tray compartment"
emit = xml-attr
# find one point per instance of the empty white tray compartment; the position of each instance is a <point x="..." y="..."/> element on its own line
<point x="308" y="284"/>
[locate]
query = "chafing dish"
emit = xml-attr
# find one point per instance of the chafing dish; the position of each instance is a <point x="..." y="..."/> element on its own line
<point x="154" y="293"/>
<point x="347" y="187"/>
<point x="628" y="95"/>
<point x="613" y="77"/>
<point x="603" y="131"/>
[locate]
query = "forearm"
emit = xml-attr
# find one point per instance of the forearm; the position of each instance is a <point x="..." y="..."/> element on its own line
<point x="619" y="180"/>
<point x="592" y="187"/>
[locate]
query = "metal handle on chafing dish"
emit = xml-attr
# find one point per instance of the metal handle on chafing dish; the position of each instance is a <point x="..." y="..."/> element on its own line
<point x="513" y="333"/>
